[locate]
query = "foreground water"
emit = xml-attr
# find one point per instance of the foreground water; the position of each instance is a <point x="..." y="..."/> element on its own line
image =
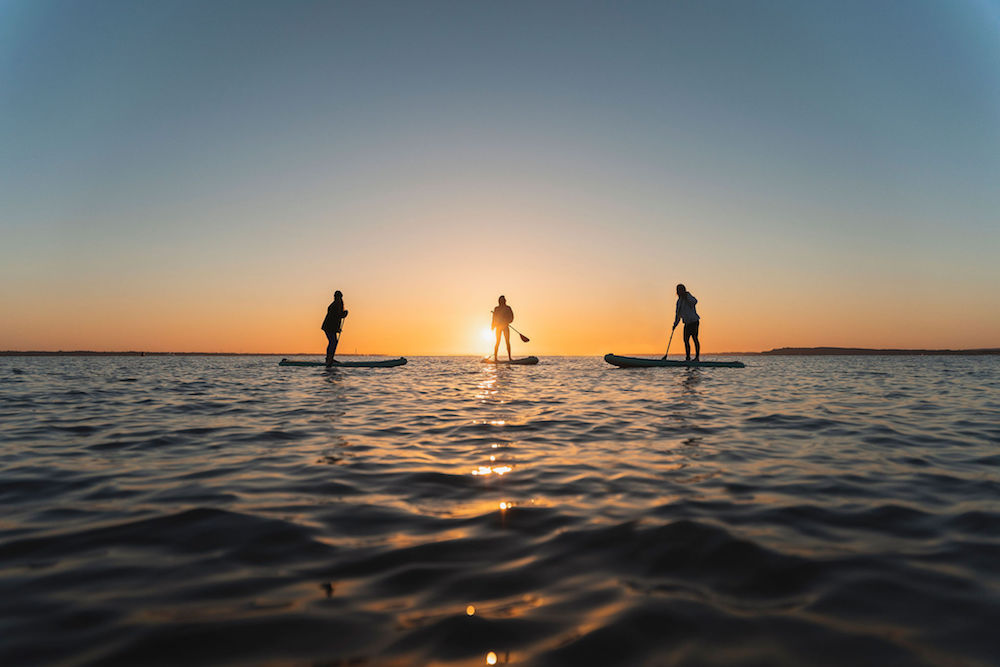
<point x="204" y="510"/>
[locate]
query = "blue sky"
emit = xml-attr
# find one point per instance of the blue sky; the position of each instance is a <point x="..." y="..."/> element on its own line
<point x="204" y="151"/>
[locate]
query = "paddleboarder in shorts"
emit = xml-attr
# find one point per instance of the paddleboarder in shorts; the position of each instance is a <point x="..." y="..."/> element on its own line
<point x="502" y="317"/>
<point x="685" y="311"/>
<point x="332" y="325"/>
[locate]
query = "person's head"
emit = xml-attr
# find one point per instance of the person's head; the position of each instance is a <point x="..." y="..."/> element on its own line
<point x="337" y="296"/>
<point x="681" y="290"/>
<point x="502" y="300"/>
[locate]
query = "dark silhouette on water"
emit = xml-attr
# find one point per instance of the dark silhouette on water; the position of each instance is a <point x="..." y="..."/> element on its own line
<point x="502" y="318"/>
<point x="685" y="311"/>
<point x="829" y="351"/>
<point x="333" y="324"/>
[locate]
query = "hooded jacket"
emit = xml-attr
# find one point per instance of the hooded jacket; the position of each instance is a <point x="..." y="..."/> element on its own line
<point x="685" y="309"/>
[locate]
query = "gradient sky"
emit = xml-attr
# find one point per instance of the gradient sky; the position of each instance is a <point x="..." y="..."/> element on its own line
<point x="200" y="176"/>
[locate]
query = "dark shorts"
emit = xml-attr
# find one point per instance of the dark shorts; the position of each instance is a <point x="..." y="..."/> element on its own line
<point x="691" y="329"/>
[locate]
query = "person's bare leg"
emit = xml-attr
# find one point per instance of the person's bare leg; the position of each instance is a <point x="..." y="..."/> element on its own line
<point x="697" y="348"/>
<point x="497" y="346"/>
<point x="687" y="346"/>
<point x="507" y="337"/>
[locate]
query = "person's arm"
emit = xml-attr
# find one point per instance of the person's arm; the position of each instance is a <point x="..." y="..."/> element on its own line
<point x="677" y="314"/>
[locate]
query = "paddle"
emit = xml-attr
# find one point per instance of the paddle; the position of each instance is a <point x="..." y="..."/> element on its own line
<point x="524" y="339"/>
<point x="668" y="342"/>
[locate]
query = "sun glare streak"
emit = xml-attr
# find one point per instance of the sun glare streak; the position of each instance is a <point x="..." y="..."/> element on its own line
<point x="486" y="470"/>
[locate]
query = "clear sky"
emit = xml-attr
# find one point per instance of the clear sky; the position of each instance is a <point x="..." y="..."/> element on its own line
<point x="200" y="176"/>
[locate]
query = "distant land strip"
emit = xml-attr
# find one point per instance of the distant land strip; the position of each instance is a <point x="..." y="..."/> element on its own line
<point x="91" y="353"/>
<point x="819" y="351"/>
<point x="779" y="351"/>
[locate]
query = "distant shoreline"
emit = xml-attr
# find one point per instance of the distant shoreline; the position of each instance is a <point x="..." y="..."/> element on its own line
<point x="854" y="351"/>
<point x="92" y="353"/>
<point x="780" y="351"/>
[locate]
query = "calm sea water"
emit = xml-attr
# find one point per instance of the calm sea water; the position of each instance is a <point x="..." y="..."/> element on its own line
<point x="205" y="510"/>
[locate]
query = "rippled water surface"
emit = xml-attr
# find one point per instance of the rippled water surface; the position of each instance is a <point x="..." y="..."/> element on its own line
<point x="216" y="510"/>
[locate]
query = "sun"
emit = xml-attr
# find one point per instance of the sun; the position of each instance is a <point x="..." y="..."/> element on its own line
<point x="486" y="334"/>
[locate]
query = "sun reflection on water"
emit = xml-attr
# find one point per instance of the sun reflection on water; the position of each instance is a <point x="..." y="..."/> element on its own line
<point x="486" y="470"/>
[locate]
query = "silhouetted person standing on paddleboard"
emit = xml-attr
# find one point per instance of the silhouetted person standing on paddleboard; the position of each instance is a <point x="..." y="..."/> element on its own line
<point x="332" y="324"/>
<point x="502" y="317"/>
<point x="685" y="311"/>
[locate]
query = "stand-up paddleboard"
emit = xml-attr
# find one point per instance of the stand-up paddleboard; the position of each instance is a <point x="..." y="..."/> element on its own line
<point x="384" y="363"/>
<point x="526" y="361"/>
<point x="638" y="362"/>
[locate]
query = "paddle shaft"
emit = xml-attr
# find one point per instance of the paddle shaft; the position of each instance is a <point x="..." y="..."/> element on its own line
<point x="669" y="341"/>
<point x="338" y="334"/>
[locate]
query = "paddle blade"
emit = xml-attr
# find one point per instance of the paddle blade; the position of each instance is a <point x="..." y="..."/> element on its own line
<point x="524" y="339"/>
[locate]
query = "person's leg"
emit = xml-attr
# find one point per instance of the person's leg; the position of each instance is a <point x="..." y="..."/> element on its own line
<point x="697" y="344"/>
<point x="497" y="346"/>
<point x="506" y="333"/>
<point x="331" y="347"/>
<point x="687" y="342"/>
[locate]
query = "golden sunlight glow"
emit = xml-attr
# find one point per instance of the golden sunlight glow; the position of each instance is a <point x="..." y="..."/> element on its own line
<point x="504" y="505"/>
<point x="470" y="610"/>
<point x="251" y="311"/>
<point x="491" y="658"/>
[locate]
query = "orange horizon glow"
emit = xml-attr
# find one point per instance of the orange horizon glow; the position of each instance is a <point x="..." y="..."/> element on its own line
<point x="381" y="324"/>
<point x="428" y="284"/>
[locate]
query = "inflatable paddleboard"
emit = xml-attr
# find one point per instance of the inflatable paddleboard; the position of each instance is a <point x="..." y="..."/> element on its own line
<point x="526" y="361"/>
<point x="639" y="362"/>
<point x="385" y="363"/>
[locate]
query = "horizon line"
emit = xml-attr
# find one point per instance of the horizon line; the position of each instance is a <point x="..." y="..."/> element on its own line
<point x="132" y="353"/>
<point x="779" y="351"/>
